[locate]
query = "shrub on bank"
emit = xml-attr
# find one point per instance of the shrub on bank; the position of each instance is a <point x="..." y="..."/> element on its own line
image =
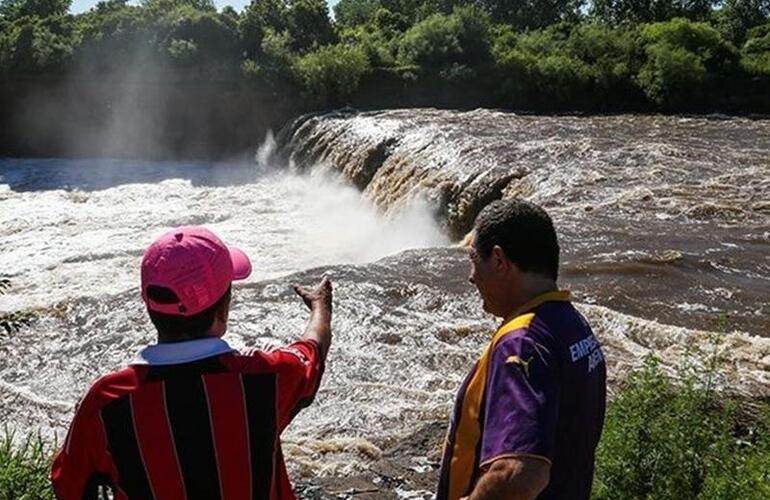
<point x="444" y="44"/>
<point x="685" y="61"/>
<point x="568" y="66"/>
<point x="488" y="52"/>
<point x="755" y="54"/>
<point x="332" y="73"/>
<point x="34" y="45"/>
<point x="681" y="440"/>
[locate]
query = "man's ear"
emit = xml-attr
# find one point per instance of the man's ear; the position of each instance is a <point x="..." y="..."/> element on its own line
<point x="499" y="259"/>
<point x="224" y="311"/>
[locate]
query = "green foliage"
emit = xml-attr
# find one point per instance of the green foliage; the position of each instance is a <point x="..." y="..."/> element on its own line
<point x="755" y="54"/>
<point x="114" y="35"/>
<point x="275" y="67"/>
<point x="24" y="468"/>
<point x="448" y="44"/>
<point x="736" y="17"/>
<point x="683" y="59"/>
<point x="256" y="18"/>
<point x="567" y="65"/>
<point x="612" y="55"/>
<point x="184" y="52"/>
<point x="616" y="12"/>
<point x="351" y="13"/>
<point x="306" y="21"/>
<point x="117" y="38"/>
<point x="378" y="38"/>
<point x="16" y="9"/>
<point x="535" y="54"/>
<point x="31" y="45"/>
<point x="416" y="10"/>
<point x="161" y="7"/>
<point x="526" y="14"/>
<point x="331" y="74"/>
<point x="309" y="24"/>
<point x="205" y="40"/>
<point x="670" y="440"/>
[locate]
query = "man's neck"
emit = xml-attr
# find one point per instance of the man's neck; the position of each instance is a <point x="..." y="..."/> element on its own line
<point x="183" y="338"/>
<point x="531" y="290"/>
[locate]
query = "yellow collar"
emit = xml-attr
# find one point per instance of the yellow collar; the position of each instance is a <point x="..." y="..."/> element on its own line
<point x="557" y="295"/>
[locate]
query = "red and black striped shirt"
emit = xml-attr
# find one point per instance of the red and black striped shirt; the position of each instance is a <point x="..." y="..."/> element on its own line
<point x="205" y="429"/>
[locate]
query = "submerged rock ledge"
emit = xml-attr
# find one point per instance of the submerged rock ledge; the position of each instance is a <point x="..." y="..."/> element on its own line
<point x="463" y="160"/>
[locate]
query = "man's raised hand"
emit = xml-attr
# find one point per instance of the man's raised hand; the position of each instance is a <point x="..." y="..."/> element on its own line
<point x="319" y="296"/>
<point x="319" y="300"/>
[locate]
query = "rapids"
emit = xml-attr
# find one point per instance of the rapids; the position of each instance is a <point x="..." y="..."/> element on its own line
<point x="660" y="216"/>
<point x="663" y="222"/>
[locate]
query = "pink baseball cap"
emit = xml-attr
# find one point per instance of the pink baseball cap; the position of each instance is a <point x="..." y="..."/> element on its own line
<point x="196" y="265"/>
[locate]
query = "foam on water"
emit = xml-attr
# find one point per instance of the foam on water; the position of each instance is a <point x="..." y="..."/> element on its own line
<point x="652" y="185"/>
<point x="408" y="326"/>
<point x="59" y="244"/>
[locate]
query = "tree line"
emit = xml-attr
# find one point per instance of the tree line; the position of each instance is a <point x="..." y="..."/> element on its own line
<point x="530" y="54"/>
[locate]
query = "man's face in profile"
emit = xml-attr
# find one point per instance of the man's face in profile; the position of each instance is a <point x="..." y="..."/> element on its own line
<point x="483" y="277"/>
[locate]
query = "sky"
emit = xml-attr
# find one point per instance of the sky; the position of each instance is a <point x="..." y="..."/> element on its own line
<point x="79" y="6"/>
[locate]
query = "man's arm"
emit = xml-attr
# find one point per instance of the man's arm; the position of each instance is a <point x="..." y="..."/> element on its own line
<point x="520" y="420"/>
<point x="75" y="472"/>
<point x="519" y="478"/>
<point x="319" y="300"/>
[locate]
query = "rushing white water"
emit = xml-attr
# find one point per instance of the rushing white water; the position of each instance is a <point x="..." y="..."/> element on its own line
<point x="669" y="215"/>
<point x="407" y="324"/>
<point x="72" y="234"/>
<point x="59" y="244"/>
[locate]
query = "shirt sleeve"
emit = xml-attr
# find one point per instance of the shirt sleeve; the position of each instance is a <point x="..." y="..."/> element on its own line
<point x="299" y="368"/>
<point x="79" y="467"/>
<point x="522" y="401"/>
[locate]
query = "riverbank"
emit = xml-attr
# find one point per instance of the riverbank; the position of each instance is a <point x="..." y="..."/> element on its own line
<point x="406" y="468"/>
<point x="64" y="117"/>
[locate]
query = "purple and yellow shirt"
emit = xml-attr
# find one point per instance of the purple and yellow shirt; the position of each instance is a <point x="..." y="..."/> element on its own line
<point x="539" y="390"/>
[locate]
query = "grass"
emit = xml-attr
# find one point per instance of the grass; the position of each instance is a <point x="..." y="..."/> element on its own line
<point x="25" y="467"/>
<point x="664" y="438"/>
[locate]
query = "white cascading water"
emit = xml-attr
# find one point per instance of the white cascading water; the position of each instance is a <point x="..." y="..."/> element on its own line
<point x="407" y="325"/>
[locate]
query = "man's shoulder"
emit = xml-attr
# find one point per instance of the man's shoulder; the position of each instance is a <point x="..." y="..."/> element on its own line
<point x="250" y="361"/>
<point x="554" y="321"/>
<point x="522" y="328"/>
<point x="273" y="359"/>
<point x="112" y="386"/>
<point x="527" y="334"/>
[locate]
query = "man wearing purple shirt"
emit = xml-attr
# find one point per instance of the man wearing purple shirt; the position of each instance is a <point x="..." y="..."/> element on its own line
<point x="529" y="415"/>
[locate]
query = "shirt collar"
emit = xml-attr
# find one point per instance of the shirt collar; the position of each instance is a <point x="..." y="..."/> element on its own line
<point x="174" y="353"/>
<point x="556" y="295"/>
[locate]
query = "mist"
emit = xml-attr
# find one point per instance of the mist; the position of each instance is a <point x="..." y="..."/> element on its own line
<point x="136" y="105"/>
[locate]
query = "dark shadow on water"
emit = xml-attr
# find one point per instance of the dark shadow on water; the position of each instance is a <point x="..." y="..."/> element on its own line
<point x="97" y="174"/>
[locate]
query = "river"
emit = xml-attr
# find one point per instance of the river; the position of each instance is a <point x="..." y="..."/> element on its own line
<point x="664" y="224"/>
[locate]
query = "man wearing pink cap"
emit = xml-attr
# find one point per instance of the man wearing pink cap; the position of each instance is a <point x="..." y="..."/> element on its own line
<point x="191" y="418"/>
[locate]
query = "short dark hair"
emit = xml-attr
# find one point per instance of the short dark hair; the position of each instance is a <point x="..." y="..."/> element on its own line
<point x="523" y="230"/>
<point x="171" y="326"/>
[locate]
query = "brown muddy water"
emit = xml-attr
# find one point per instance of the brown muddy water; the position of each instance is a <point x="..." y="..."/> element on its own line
<point x="663" y="217"/>
<point x="664" y="225"/>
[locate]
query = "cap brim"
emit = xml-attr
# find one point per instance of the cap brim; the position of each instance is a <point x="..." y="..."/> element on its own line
<point x="241" y="263"/>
